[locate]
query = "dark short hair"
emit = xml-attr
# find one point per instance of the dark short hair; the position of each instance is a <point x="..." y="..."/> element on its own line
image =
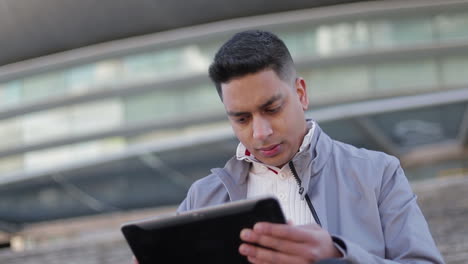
<point x="250" y="52"/>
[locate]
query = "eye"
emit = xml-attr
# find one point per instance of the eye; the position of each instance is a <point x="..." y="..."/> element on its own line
<point x="241" y="120"/>
<point x="273" y="110"/>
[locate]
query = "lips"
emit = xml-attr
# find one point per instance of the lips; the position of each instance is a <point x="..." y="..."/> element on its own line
<point x="270" y="150"/>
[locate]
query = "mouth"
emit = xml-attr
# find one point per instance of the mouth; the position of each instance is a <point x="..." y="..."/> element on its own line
<point x="270" y="150"/>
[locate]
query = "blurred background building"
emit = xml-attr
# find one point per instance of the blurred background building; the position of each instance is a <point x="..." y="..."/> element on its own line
<point x="107" y="113"/>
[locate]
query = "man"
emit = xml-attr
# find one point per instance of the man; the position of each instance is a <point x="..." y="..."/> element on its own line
<point x="343" y="202"/>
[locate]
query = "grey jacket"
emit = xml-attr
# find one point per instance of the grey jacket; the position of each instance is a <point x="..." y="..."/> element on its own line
<point x="362" y="198"/>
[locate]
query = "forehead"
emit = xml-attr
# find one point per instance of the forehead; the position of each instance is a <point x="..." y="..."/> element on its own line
<point x="253" y="90"/>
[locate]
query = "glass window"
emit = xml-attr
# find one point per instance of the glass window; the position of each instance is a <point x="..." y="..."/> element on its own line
<point x="307" y="42"/>
<point x="169" y="62"/>
<point x="80" y="79"/>
<point x="335" y="83"/>
<point x="96" y="148"/>
<point x="454" y="70"/>
<point x="347" y="131"/>
<point x="139" y="66"/>
<point x="108" y="72"/>
<point x="152" y="136"/>
<point x="194" y="60"/>
<point x="452" y="26"/>
<point x="291" y="40"/>
<point x="344" y="36"/>
<point x="10" y="164"/>
<point x="10" y="133"/>
<point x="201" y="98"/>
<point x="422" y="126"/>
<point x="10" y="93"/>
<point x="96" y="116"/>
<point x="400" y="31"/>
<point x="300" y="42"/>
<point x="209" y="49"/>
<point x="67" y="121"/>
<point x="398" y="76"/>
<point x="167" y="103"/>
<point x="46" y="125"/>
<point x="48" y="158"/>
<point x="44" y="85"/>
<point x="160" y="104"/>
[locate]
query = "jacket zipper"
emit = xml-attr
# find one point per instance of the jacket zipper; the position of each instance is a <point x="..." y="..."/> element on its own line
<point x="301" y="191"/>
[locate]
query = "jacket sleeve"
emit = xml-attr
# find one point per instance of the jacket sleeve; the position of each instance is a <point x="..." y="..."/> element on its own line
<point x="186" y="204"/>
<point x="406" y="233"/>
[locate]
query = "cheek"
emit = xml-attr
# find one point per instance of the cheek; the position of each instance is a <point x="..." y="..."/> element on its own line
<point x="242" y="134"/>
<point x="292" y="122"/>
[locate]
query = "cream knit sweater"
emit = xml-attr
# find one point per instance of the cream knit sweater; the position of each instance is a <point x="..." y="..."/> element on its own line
<point x="267" y="180"/>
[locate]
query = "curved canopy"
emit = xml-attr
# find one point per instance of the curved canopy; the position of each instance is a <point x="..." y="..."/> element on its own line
<point x="32" y="29"/>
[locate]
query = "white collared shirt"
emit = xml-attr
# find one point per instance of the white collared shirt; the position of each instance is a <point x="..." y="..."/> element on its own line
<point x="280" y="183"/>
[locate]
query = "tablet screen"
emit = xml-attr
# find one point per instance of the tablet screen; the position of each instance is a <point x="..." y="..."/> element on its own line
<point x="209" y="235"/>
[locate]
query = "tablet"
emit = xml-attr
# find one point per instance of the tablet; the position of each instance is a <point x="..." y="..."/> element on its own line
<point x="209" y="235"/>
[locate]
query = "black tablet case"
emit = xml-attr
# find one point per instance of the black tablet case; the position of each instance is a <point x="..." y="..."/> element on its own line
<point x="209" y="235"/>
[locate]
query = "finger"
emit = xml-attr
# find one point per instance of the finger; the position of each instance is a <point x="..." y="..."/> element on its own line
<point x="257" y="261"/>
<point x="263" y="255"/>
<point x="254" y="260"/>
<point x="293" y="233"/>
<point x="279" y="244"/>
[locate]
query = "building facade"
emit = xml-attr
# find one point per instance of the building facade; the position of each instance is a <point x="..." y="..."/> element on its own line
<point x="132" y="123"/>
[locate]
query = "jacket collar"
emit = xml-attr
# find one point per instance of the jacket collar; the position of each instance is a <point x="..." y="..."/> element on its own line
<point x="309" y="162"/>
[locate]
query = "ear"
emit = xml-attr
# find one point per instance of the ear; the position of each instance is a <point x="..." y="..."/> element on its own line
<point x="301" y="90"/>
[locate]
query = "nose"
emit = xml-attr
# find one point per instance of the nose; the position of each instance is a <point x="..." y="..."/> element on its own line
<point x="261" y="128"/>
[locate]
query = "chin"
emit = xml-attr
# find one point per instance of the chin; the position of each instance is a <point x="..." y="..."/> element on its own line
<point x="275" y="163"/>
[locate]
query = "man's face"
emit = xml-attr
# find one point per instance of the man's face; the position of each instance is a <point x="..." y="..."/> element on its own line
<point x="267" y="115"/>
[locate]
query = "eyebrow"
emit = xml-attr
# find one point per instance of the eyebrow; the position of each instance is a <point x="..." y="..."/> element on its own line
<point x="270" y="101"/>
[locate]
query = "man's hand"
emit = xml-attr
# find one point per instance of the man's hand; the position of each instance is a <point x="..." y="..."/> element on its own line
<point x="289" y="244"/>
